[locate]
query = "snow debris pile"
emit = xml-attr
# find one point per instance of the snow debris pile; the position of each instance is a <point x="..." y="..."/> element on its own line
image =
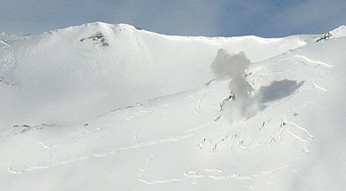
<point x="240" y="104"/>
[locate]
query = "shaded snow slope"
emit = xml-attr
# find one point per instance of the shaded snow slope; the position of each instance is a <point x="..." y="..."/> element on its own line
<point x="194" y="129"/>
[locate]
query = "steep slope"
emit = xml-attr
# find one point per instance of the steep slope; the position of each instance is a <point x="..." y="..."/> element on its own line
<point x="88" y="70"/>
<point x="293" y="139"/>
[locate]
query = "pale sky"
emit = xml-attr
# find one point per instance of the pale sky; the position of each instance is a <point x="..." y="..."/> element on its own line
<point x="268" y="18"/>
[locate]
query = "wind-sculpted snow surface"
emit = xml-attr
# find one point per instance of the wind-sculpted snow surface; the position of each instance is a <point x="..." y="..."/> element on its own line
<point x="249" y="121"/>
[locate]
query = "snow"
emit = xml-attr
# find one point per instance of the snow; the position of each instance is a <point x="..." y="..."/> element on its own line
<point x="111" y="107"/>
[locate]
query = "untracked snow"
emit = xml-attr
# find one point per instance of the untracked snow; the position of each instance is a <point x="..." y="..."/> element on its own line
<point x="112" y="107"/>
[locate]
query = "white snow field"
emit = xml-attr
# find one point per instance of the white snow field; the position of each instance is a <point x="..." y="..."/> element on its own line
<point x="112" y="107"/>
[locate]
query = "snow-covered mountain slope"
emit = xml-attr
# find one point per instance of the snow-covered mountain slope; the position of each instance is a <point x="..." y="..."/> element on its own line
<point x="103" y="107"/>
<point x="89" y="70"/>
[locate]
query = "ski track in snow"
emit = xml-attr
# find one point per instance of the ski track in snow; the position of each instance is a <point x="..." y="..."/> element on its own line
<point x="194" y="176"/>
<point x="101" y="155"/>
